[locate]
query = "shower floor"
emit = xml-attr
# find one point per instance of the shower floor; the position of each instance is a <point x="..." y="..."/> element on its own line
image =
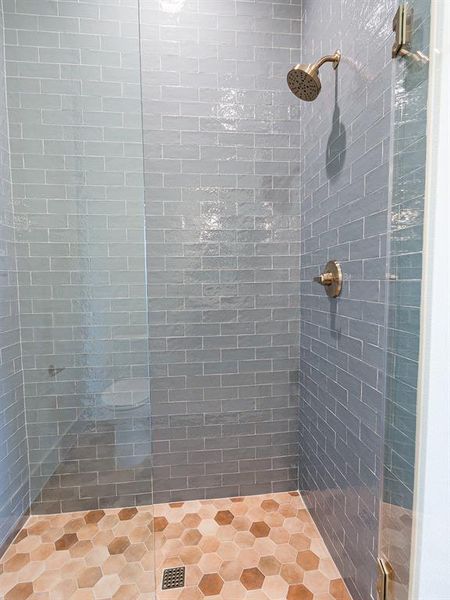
<point x="256" y="547"/>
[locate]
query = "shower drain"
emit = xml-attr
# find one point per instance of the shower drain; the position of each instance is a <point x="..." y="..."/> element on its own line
<point x="173" y="578"/>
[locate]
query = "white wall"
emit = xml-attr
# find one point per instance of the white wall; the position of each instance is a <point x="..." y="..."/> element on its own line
<point x="431" y="549"/>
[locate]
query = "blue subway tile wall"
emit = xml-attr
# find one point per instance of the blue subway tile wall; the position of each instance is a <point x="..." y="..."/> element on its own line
<point x="74" y="103"/>
<point x="345" y="151"/>
<point x="222" y="201"/>
<point x="14" y="476"/>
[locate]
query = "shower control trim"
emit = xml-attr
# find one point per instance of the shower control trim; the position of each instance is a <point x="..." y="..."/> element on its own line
<point x="331" y="279"/>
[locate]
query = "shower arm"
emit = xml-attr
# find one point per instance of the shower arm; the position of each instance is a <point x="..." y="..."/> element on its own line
<point x="334" y="58"/>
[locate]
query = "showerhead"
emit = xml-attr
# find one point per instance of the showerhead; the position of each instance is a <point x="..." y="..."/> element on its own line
<point x="303" y="80"/>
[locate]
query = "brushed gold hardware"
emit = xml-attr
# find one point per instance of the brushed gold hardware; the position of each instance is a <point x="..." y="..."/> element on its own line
<point x="385" y="573"/>
<point x="304" y="81"/>
<point x="402" y="28"/>
<point x="331" y="279"/>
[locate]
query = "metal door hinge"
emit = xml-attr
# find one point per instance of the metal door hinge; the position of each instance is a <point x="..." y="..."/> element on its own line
<point x="402" y="28"/>
<point x="383" y="579"/>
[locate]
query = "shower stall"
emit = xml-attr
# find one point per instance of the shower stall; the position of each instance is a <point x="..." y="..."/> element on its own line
<point x="177" y="392"/>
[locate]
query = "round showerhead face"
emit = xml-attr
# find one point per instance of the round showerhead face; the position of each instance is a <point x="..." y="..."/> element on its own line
<point x="304" y="82"/>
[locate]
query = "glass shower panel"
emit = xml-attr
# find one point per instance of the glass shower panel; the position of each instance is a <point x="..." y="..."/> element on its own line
<point x="410" y="86"/>
<point x="76" y="141"/>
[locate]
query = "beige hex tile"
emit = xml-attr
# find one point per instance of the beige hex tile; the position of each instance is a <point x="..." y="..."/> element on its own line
<point x="208" y="527"/>
<point x="228" y="550"/>
<point x="328" y="568"/>
<point x="42" y="552"/>
<point x="274" y="519"/>
<point x="28" y="544"/>
<point x="131" y="572"/>
<point x="256" y="595"/>
<point x="233" y="590"/>
<point x="316" y="582"/>
<point x="226" y="533"/>
<point x="275" y="587"/>
<point x="87" y="532"/>
<point x="293" y="525"/>
<point x="191" y="537"/>
<point x="126" y="592"/>
<point x="264" y="546"/>
<point x="64" y="589"/>
<point x="193" y="575"/>
<point x="113" y="564"/>
<point x="190" y="555"/>
<point x="248" y="557"/>
<point x="279" y="535"/>
<point x="74" y="525"/>
<point x="103" y="538"/>
<point x="88" y="577"/>
<point x="173" y="530"/>
<point x="97" y="556"/>
<point x="83" y="595"/>
<point x="7" y="581"/>
<point x="31" y="571"/>
<point x="191" y="520"/>
<point x="107" y="586"/>
<point x="286" y="553"/>
<point x="80" y="549"/>
<point x="209" y="543"/>
<point x="46" y="581"/>
<point x="191" y="593"/>
<point x="288" y="511"/>
<point x="244" y="539"/>
<point x="241" y="523"/>
<point x="269" y="565"/>
<point x="16" y="562"/>
<point x="210" y="563"/>
<point x="231" y="570"/>
<point x="135" y="552"/>
<point x="292" y="573"/>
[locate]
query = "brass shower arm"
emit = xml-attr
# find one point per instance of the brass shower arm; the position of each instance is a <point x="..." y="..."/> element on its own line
<point x="334" y="58"/>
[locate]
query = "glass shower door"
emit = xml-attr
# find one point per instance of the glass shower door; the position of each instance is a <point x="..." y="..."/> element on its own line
<point x="409" y="122"/>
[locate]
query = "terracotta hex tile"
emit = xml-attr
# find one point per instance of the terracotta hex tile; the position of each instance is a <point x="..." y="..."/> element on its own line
<point x="118" y="545"/>
<point x="159" y="524"/>
<point x="252" y="579"/>
<point x="173" y="530"/>
<point x="126" y="514"/>
<point x="20" y="536"/>
<point x="224" y="517"/>
<point x="287" y="510"/>
<point x="94" y="516"/>
<point x="269" y="565"/>
<point x="191" y="537"/>
<point x="292" y="573"/>
<point x="269" y="505"/>
<point x="338" y="590"/>
<point x="66" y="541"/>
<point x="89" y="577"/>
<point x="308" y="560"/>
<point x="176" y="504"/>
<point x="74" y="525"/>
<point x="21" y="591"/>
<point x="300" y="541"/>
<point x="82" y="595"/>
<point x="260" y="529"/>
<point x="16" y="562"/>
<point x="211" y="584"/>
<point x="299" y="592"/>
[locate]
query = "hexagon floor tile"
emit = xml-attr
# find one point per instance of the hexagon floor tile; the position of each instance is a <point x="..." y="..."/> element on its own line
<point x="256" y="547"/>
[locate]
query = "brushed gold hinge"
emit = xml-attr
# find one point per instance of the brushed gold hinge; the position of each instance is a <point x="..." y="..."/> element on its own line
<point x="384" y="576"/>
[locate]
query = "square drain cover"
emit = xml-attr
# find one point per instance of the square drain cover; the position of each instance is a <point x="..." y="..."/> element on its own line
<point x="173" y="578"/>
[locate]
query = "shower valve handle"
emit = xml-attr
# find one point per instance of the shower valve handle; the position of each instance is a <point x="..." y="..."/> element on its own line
<point x="324" y="279"/>
<point x="331" y="279"/>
